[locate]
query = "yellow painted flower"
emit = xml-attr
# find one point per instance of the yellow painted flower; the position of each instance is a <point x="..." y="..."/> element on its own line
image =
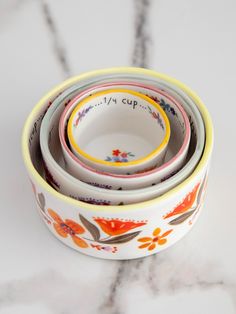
<point x="156" y="239"/>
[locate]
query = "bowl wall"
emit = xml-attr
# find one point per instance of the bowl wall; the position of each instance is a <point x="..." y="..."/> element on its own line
<point x="117" y="232"/>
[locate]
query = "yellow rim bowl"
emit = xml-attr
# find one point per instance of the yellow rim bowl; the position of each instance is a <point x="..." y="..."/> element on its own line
<point x="138" y="206"/>
<point x="116" y="164"/>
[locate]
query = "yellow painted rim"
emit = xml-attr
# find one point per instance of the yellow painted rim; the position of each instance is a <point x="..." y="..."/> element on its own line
<point x="115" y="164"/>
<point x="118" y="209"/>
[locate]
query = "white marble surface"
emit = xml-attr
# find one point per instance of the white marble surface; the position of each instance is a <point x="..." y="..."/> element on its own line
<point x="42" y="43"/>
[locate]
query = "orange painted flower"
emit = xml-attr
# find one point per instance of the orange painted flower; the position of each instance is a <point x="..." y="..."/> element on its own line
<point x="117" y="226"/>
<point x="68" y="227"/>
<point x="157" y="239"/>
<point x="186" y="204"/>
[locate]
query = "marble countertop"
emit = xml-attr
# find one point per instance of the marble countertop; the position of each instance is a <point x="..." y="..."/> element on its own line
<point x="43" y="43"/>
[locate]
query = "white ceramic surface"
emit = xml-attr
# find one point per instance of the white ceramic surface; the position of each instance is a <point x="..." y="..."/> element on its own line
<point x="68" y="185"/>
<point x="117" y="232"/>
<point x="176" y="151"/>
<point x="123" y="122"/>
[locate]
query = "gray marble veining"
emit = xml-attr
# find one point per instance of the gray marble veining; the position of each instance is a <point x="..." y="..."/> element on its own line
<point x="57" y="42"/>
<point x="143" y="40"/>
<point x="43" y="42"/>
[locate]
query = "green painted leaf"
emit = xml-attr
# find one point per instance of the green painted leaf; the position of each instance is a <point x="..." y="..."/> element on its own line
<point x="201" y="190"/>
<point x="150" y="110"/>
<point x="182" y="218"/>
<point x="121" y="239"/>
<point x="41" y="200"/>
<point x="94" y="231"/>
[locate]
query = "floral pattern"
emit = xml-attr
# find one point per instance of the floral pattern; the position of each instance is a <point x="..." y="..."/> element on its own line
<point x="116" y="230"/>
<point x="200" y="199"/>
<point x="111" y="249"/>
<point x="156" y="116"/>
<point x="100" y="185"/>
<point x="115" y="227"/>
<point x="68" y="227"/>
<point x="189" y="206"/>
<point x="165" y="106"/>
<point x="82" y="114"/>
<point x="106" y="234"/>
<point x="186" y="204"/>
<point x="119" y="156"/>
<point x="156" y="239"/>
<point x="40" y="200"/>
<point x="94" y="201"/>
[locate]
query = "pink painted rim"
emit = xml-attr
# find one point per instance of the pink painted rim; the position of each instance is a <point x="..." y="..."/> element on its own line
<point x="137" y="175"/>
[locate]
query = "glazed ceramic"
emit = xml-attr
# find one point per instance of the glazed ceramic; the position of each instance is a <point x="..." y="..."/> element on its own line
<point x="197" y="127"/>
<point x="117" y="232"/>
<point x="176" y="152"/>
<point x="65" y="183"/>
<point x="122" y="122"/>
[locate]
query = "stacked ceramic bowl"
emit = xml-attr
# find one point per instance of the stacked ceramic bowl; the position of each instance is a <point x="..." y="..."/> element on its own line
<point x="118" y="160"/>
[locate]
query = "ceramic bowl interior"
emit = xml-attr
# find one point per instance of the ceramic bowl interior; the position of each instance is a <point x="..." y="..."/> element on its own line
<point x="176" y="152"/>
<point x="79" y="190"/>
<point x="93" y="193"/>
<point x="124" y="122"/>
